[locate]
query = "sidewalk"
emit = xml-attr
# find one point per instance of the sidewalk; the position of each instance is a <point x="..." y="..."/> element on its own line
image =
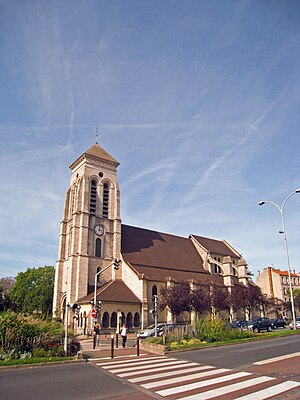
<point x="104" y="349"/>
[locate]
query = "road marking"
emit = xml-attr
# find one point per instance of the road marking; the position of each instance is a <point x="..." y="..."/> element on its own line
<point x="160" y="368"/>
<point x="270" y="360"/>
<point x="140" y="368"/>
<point x="183" y="370"/>
<point x="210" y="394"/>
<point x="116" y="357"/>
<point x="136" y="360"/>
<point x="271" y="391"/>
<point x="165" y="382"/>
<point x="197" y="385"/>
<point x="138" y="363"/>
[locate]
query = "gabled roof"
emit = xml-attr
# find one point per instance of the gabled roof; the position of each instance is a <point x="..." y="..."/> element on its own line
<point x="99" y="152"/>
<point x="160" y="255"/>
<point x="115" y="291"/>
<point x="216" y="246"/>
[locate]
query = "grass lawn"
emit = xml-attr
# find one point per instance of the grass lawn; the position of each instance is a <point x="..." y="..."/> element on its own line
<point x="33" y="360"/>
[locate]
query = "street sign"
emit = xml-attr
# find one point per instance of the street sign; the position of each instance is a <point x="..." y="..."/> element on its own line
<point x="94" y="313"/>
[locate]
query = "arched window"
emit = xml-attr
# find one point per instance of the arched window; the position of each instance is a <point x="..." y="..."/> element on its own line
<point x="122" y="319"/>
<point x="113" y="320"/>
<point x="154" y="290"/>
<point x="105" y="200"/>
<point x="98" y="248"/>
<point x="129" y="320"/>
<point x="136" y="320"/>
<point x="105" y="320"/>
<point x="93" y="197"/>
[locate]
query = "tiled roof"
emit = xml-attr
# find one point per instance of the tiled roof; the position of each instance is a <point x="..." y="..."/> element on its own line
<point x="285" y="273"/>
<point x="216" y="246"/>
<point x="97" y="151"/>
<point x="161" y="255"/>
<point x="113" y="291"/>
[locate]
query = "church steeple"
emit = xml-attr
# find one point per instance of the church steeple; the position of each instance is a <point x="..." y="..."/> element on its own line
<point x="91" y="227"/>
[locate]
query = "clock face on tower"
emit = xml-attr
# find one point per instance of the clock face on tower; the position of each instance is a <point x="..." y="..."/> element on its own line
<point x="99" y="230"/>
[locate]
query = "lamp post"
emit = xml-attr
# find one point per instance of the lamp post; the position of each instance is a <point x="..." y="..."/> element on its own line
<point x="283" y="231"/>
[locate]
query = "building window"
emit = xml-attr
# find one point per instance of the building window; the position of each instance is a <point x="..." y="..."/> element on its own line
<point x="98" y="248"/>
<point x="105" y="200"/>
<point x="136" y="320"/>
<point x="129" y="320"/>
<point x="93" y="197"/>
<point x="105" y="320"/>
<point x="154" y="290"/>
<point x="113" y="320"/>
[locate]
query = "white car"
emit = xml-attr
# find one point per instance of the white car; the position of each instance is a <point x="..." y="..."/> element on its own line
<point x="291" y="325"/>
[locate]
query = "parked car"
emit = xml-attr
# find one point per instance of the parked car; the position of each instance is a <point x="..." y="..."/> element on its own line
<point x="277" y="323"/>
<point x="150" y="331"/>
<point x="239" y="324"/>
<point x="161" y="328"/>
<point x="291" y="325"/>
<point x="260" y="324"/>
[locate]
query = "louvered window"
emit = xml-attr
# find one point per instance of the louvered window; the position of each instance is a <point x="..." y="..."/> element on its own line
<point x="93" y="197"/>
<point x="105" y="200"/>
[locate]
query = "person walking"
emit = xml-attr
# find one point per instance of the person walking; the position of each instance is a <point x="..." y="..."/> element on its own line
<point x="124" y="335"/>
<point x="97" y="333"/>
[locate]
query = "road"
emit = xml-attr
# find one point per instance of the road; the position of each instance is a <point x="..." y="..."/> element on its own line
<point x="223" y="373"/>
<point x="243" y="355"/>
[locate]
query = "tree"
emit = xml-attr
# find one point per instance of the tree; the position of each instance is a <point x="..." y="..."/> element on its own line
<point x="246" y="298"/>
<point x="176" y="298"/>
<point x="33" y="290"/>
<point x="200" y="299"/>
<point x="219" y="298"/>
<point x="6" y="285"/>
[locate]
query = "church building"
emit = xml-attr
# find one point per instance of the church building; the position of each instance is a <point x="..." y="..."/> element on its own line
<point x="122" y="266"/>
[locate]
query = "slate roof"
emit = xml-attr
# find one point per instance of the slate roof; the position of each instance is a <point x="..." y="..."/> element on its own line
<point x="113" y="291"/>
<point x="160" y="255"/>
<point x="216" y="246"/>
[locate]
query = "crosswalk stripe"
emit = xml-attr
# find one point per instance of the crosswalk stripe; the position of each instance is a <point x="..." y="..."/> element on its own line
<point x="210" y="394"/>
<point x="271" y="391"/>
<point x="142" y="367"/>
<point x="157" y="369"/>
<point x="184" y="378"/>
<point x="128" y="361"/>
<point x="183" y="370"/>
<point x="197" y="385"/>
<point x="137" y="363"/>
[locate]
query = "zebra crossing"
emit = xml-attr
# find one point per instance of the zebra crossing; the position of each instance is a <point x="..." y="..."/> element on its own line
<point x="176" y="379"/>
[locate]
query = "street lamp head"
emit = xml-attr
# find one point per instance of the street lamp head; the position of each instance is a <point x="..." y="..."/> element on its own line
<point x="261" y="203"/>
<point x="297" y="190"/>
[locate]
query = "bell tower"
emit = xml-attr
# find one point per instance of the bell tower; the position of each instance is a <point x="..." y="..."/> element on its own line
<point x="90" y="236"/>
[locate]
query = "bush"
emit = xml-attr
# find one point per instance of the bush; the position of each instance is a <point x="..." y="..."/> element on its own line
<point x="211" y="330"/>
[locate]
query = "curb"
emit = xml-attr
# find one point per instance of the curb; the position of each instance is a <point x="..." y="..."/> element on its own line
<point x="41" y="364"/>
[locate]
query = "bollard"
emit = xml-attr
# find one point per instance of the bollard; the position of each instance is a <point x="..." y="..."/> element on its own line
<point x="117" y="339"/>
<point x="137" y="344"/>
<point x="94" y="341"/>
<point x="112" y="346"/>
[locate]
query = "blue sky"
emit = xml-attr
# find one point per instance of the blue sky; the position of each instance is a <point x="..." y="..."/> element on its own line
<point x="198" y="100"/>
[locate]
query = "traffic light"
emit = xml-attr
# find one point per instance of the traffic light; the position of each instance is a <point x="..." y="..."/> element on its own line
<point x="155" y="303"/>
<point x="116" y="263"/>
<point x="76" y="308"/>
<point x="98" y="305"/>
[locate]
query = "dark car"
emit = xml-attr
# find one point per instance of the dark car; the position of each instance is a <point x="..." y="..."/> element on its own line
<point x="239" y="324"/>
<point x="278" y="323"/>
<point x="260" y="324"/>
